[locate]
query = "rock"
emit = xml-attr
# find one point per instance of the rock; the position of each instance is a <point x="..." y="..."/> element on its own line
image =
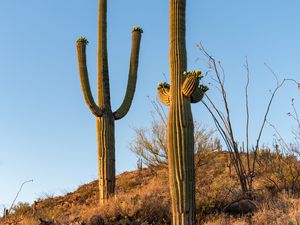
<point x="240" y="207"/>
<point x="45" y="222"/>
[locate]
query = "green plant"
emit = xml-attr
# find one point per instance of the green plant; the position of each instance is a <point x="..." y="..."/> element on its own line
<point x="105" y="117"/>
<point x="180" y="127"/>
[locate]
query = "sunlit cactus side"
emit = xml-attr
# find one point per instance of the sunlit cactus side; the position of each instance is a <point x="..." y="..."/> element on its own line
<point x="163" y="93"/>
<point x="183" y="90"/>
<point x="105" y="117"/>
<point x="191" y="82"/>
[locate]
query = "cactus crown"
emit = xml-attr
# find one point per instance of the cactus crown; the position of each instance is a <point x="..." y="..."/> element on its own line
<point x="203" y="88"/>
<point x="82" y="40"/>
<point x="195" y="73"/>
<point x="163" y="85"/>
<point x="138" y="29"/>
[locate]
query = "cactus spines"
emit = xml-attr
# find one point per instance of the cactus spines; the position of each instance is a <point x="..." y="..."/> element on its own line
<point x="180" y="127"/>
<point x="105" y="117"/>
<point x="163" y="93"/>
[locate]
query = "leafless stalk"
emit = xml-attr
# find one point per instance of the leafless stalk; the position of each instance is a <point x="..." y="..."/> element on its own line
<point x="247" y="113"/>
<point x="12" y="205"/>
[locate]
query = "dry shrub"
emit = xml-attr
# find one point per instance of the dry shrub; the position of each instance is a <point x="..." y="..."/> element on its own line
<point x="214" y="185"/>
<point x="272" y="213"/>
<point x="148" y="205"/>
<point x="294" y="213"/>
<point x="280" y="172"/>
<point x="29" y="221"/>
<point x="22" y="208"/>
<point x="226" y="220"/>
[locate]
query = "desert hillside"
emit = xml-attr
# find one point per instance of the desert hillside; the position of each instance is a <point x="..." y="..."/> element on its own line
<point x="143" y="198"/>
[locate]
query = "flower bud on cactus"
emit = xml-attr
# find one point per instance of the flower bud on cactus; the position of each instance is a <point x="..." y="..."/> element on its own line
<point x="203" y="88"/>
<point x="138" y="29"/>
<point x="82" y="40"/>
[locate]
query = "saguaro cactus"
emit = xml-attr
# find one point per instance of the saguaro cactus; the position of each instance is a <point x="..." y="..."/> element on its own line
<point x="105" y="117"/>
<point x="182" y="91"/>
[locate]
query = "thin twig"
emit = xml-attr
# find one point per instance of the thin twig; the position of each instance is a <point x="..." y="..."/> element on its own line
<point x="247" y="114"/>
<point x="12" y="205"/>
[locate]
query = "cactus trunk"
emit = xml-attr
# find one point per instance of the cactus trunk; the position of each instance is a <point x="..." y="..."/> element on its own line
<point x="105" y="117"/>
<point x="181" y="92"/>
<point x="105" y="126"/>
<point x="106" y="155"/>
<point x="180" y="128"/>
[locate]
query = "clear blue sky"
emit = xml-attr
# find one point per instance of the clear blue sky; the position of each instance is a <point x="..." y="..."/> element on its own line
<point x="46" y="130"/>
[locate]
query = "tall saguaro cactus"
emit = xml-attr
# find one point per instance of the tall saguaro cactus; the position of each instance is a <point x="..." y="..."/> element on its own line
<point x="182" y="91"/>
<point x="105" y="117"/>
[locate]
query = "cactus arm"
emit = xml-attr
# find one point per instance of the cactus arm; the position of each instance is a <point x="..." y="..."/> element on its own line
<point x="163" y="93"/>
<point x="132" y="76"/>
<point x="191" y="82"/>
<point x="199" y="93"/>
<point x="197" y="96"/>
<point x="84" y="79"/>
<point x="103" y="71"/>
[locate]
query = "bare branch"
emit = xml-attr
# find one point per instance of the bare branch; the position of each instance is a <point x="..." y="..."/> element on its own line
<point x="224" y="124"/>
<point x="247" y="104"/>
<point x="12" y="205"/>
<point x="273" y="73"/>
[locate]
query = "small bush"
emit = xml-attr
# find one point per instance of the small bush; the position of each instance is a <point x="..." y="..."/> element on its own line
<point x="22" y="208"/>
